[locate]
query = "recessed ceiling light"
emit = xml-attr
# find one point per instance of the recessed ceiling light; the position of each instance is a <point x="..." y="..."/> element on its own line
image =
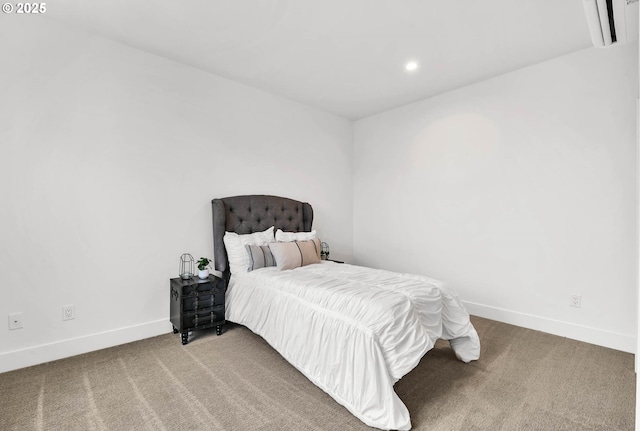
<point x="411" y="66"/>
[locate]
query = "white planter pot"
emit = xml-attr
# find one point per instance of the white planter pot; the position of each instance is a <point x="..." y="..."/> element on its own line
<point x="203" y="273"/>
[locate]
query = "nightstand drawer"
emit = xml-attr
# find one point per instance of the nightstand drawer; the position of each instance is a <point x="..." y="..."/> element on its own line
<point x="203" y="300"/>
<point x="195" y="286"/>
<point x="203" y="317"/>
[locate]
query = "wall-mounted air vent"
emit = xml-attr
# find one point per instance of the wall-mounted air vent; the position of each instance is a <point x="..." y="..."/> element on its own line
<point x="611" y="21"/>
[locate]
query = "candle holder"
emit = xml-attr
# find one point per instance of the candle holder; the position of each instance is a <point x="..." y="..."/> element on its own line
<point x="187" y="266"/>
<point x="324" y="251"/>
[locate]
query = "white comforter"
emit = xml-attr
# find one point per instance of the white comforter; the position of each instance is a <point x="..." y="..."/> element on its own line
<point x="353" y="331"/>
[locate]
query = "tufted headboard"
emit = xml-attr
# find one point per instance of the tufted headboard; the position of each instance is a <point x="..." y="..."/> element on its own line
<point x="255" y="213"/>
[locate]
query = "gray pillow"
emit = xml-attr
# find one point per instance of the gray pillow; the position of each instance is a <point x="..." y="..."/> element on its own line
<point x="259" y="257"/>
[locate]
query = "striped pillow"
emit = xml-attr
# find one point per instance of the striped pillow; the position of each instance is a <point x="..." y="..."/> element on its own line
<point x="259" y="257"/>
<point x="289" y="255"/>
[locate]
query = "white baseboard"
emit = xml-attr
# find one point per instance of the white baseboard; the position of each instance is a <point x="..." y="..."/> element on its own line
<point x="600" y="337"/>
<point x="65" y="348"/>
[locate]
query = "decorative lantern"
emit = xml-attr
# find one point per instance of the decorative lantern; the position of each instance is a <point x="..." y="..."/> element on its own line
<point x="324" y="251"/>
<point x="187" y="266"/>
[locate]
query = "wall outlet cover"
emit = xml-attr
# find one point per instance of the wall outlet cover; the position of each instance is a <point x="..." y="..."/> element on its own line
<point x="68" y="312"/>
<point x="576" y="301"/>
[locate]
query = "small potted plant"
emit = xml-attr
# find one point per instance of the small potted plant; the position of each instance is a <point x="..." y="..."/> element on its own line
<point x="203" y="267"/>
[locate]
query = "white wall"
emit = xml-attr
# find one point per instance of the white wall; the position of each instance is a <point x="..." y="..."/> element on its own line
<point x="521" y="189"/>
<point x="110" y="157"/>
<point x="518" y="192"/>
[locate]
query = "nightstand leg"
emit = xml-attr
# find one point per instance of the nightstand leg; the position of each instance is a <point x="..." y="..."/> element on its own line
<point x="185" y="337"/>
<point x="218" y="329"/>
<point x="175" y="331"/>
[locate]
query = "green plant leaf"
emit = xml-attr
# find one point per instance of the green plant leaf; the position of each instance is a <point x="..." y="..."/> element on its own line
<point x="202" y="263"/>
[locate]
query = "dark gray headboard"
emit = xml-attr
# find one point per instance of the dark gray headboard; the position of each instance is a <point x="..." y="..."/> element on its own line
<point x="255" y="213"/>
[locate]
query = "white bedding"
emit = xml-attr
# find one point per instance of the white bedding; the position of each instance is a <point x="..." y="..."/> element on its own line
<point x="352" y="331"/>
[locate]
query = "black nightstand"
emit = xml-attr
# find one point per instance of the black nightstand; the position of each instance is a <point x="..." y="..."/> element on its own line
<point x="197" y="304"/>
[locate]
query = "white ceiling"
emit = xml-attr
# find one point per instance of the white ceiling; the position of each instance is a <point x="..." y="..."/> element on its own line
<point x="343" y="56"/>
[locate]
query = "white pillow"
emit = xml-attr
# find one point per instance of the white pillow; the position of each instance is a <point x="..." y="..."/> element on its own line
<point x="236" y="252"/>
<point x="294" y="236"/>
<point x="293" y="254"/>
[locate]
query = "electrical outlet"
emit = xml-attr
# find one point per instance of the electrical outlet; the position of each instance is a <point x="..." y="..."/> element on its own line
<point x="15" y="321"/>
<point x="576" y="301"/>
<point x="68" y="312"/>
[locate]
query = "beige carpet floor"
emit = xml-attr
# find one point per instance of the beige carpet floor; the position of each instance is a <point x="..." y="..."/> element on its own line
<point x="524" y="380"/>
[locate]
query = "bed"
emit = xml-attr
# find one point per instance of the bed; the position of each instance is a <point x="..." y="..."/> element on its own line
<point x="353" y="331"/>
